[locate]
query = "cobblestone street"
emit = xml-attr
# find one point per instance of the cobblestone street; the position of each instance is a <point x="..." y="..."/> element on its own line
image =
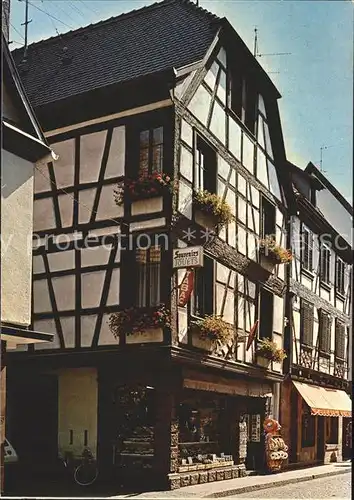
<point x="331" y="487"/>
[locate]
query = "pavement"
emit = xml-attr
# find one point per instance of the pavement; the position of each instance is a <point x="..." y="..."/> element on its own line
<point x="247" y="484"/>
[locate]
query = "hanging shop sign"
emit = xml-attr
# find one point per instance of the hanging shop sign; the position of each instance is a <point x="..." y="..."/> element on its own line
<point x="252" y="335"/>
<point x="188" y="257"/>
<point x="186" y="288"/>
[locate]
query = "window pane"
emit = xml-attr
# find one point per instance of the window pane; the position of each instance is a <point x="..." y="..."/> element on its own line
<point x="273" y="181"/>
<point x="267" y="140"/>
<point x="144" y="161"/>
<point x="260" y="132"/>
<point x="144" y="139"/>
<point x="157" y="158"/>
<point x="262" y="172"/>
<point x="210" y="77"/>
<point x="222" y="56"/>
<point x="234" y="138"/>
<point x="217" y="125"/>
<point x="261" y="105"/>
<point x="248" y="153"/>
<point x="221" y="92"/>
<point x="158" y="135"/>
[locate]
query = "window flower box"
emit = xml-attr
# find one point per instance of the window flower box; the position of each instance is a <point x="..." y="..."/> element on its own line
<point x="211" y="210"/>
<point x="268" y="351"/>
<point x="274" y="252"/>
<point x="146" y="186"/>
<point x="211" y="331"/>
<point x="137" y="321"/>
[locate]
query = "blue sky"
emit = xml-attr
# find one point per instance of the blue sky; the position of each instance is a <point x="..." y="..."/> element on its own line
<point x="315" y="81"/>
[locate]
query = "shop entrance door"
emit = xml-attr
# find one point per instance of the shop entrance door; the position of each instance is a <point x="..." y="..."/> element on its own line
<point x="320" y="438"/>
<point x="255" y="445"/>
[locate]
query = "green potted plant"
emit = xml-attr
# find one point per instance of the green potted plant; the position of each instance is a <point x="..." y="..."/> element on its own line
<point x="274" y="252"/>
<point x="269" y="351"/>
<point x="134" y="320"/>
<point x="211" y="331"/>
<point x="213" y="210"/>
<point x="146" y="186"/>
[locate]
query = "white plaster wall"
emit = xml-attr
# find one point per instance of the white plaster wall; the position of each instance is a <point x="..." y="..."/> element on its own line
<point x="16" y="238"/>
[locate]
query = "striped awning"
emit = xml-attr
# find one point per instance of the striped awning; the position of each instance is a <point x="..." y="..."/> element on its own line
<point x="325" y="402"/>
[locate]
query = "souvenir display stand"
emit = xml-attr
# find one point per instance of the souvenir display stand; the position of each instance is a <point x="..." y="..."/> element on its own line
<point x="275" y="447"/>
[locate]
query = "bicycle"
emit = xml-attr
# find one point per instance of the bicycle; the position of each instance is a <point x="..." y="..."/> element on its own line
<point x="84" y="474"/>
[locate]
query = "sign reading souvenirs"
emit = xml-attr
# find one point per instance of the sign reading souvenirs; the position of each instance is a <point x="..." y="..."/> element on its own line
<point x="186" y="288"/>
<point x="188" y="257"/>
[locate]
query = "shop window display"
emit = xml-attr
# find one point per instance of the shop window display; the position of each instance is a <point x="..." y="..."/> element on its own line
<point x="199" y="438"/>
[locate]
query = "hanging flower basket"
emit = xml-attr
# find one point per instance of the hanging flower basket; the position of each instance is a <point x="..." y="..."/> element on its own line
<point x="213" y="330"/>
<point x="274" y="252"/>
<point x="213" y="206"/>
<point x="147" y="186"/>
<point x="137" y="320"/>
<point x="269" y="350"/>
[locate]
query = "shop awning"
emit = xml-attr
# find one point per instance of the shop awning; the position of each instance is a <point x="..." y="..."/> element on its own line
<point x="325" y="402"/>
<point x="21" y="336"/>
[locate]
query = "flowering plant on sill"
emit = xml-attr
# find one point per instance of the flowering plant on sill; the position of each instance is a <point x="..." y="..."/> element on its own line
<point x="214" y="205"/>
<point x="269" y="350"/>
<point x="145" y="186"/>
<point x="214" y="328"/>
<point x="136" y="320"/>
<point x="269" y="247"/>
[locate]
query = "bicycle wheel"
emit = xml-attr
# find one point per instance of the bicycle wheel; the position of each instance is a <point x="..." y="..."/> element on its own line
<point x="85" y="474"/>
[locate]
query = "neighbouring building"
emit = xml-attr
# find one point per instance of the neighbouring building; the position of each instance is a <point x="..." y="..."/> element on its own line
<point x="23" y="148"/>
<point x="167" y="90"/>
<point x="315" y="402"/>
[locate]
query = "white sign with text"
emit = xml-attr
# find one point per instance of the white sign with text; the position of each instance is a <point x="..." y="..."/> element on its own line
<point x="188" y="257"/>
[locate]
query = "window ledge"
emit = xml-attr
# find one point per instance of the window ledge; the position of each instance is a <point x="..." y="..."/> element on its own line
<point x="324" y="354"/>
<point x="308" y="273"/>
<point x="326" y="286"/>
<point x="340" y="295"/>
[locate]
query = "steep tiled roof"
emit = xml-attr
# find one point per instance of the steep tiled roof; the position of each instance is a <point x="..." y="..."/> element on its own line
<point x="172" y="33"/>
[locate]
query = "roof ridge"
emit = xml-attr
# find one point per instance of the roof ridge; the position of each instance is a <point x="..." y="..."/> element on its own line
<point x="124" y="15"/>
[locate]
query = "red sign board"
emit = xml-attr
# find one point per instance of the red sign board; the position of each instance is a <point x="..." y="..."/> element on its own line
<point x="252" y="335"/>
<point x="186" y="288"/>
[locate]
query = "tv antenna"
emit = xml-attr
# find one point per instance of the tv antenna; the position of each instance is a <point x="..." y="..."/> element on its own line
<point x="321" y="159"/>
<point x="256" y="50"/>
<point x="25" y="24"/>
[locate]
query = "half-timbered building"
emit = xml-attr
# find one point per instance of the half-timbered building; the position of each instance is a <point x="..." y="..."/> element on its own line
<point x="147" y="111"/>
<point x="315" y="402"/>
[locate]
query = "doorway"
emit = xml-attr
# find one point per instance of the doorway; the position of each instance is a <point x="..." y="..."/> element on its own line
<point x="320" y="438"/>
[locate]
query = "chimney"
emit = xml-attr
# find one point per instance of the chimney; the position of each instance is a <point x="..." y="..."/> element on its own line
<point x="6" y="18"/>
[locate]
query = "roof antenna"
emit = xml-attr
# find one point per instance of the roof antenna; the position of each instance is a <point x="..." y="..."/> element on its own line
<point x="25" y="24"/>
<point x="255" y="49"/>
<point x="321" y="159"/>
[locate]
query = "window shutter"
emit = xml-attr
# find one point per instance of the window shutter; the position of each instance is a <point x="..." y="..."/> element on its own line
<point x="340" y="340"/>
<point x="325" y="332"/>
<point x="307" y="313"/>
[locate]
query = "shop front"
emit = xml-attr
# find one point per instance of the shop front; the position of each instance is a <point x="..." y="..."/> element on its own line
<point x="187" y="427"/>
<point x="315" y="425"/>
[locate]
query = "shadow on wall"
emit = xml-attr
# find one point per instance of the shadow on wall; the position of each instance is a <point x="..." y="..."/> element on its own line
<point x="15" y="172"/>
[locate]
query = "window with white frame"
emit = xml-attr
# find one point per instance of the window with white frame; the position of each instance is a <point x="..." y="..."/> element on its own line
<point x="325" y="263"/>
<point x="307" y="248"/>
<point x="148" y="269"/>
